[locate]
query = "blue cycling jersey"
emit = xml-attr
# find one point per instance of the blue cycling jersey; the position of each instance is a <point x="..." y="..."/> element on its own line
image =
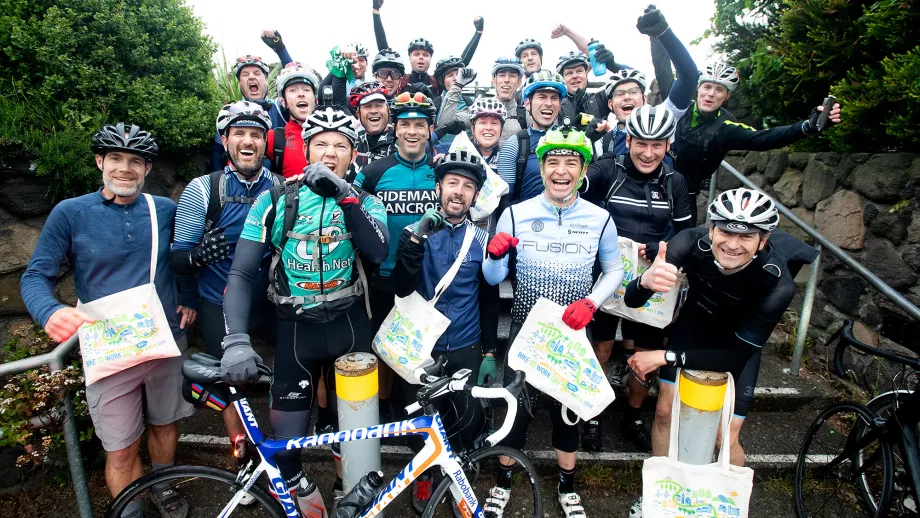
<point x="532" y="181"/>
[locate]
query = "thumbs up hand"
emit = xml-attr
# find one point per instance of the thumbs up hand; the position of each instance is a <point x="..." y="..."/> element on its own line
<point x="661" y="275"/>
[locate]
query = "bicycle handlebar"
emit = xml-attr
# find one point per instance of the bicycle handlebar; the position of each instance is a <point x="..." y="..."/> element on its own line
<point x="847" y="339"/>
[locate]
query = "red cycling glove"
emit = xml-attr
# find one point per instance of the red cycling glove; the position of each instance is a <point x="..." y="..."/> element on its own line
<point x="500" y="245"/>
<point x="579" y="313"/>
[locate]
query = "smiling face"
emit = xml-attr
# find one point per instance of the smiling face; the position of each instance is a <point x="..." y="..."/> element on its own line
<point x="506" y="82"/>
<point x="299" y="99"/>
<point x="374" y="116"/>
<point x="449" y="78"/>
<point x="122" y="173"/>
<point x="487" y="130"/>
<point x="332" y="149"/>
<point x="246" y="148"/>
<point x="531" y="60"/>
<point x="420" y="60"/>
<point x="456" y="193"/>
<point x="735" y="250"/>
<point x="253" y="83"/>
<point x="543" y="106"/>
<point x="710" y="97"/>
<point x="647" y="155"/>
<point x="625" y="98"/>
<point x="561" y="174"/>
<point x="359" y="67"/>
<point x="575" y="77"/>
<point x="411" y="137"/>
<point x="389" y="78"/>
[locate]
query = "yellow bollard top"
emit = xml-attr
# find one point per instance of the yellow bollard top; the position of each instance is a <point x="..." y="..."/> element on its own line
<point x="703" y="390"/>
<point x="356" y="376"/>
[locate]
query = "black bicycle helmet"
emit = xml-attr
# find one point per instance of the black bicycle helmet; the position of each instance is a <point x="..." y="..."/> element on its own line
<point x="388" y="58"/>
<point x="446" y="65"/>
<point x="421" y="44"/>
<point x="529" y="43"/>
<point x="329" y="118"/>
<point x="463" y="163"/>
<point x="124" y="137"/>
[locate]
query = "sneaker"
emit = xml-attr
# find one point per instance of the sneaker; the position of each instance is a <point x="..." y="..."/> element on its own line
<point x="636" y="433"/>
<point x="636" y="510"/>
<point x="337" y="496"/>
<point x="170" y="503"/>
<point x="421" y="492"/>
<point x="570" y="504"/>
<point x="496" y="502"/>
<point x="618" y="374"/>
<point x="592" y="438"/>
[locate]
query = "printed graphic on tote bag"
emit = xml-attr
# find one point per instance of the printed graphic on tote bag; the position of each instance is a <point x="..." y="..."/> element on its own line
<point x="119" y="336"/>
<point x="408" y="341"/>
<point x="672" y="499"/>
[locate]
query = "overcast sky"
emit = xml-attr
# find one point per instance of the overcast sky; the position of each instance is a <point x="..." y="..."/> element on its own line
<point x="311" y="28"/>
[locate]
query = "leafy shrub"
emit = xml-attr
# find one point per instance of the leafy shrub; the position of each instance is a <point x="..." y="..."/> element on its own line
<point x="68" y="66"/>
<point x="793" y="53"/>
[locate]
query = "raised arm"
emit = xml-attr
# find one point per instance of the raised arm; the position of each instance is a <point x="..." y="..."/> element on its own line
<point x="581" y="43"/>
<point x="661" y="61"/>
<point x="652" y="23"/>
<point x="273" y="39"/>
<point x="379" y="33"/>
<point x="470" y="49"/>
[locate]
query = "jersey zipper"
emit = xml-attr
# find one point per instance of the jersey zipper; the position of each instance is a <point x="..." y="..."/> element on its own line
<point x="319" y="243"/>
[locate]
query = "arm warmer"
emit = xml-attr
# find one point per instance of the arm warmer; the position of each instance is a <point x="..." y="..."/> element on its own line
<point x="733" y="135"/>
<point x="611" y="264"/>
<point x="369" y="236"/>
<point x="247" y="260"/>
<point x="687" y="73"/>
<point x="661" y="61"/>
<point x="470" y="49"/>
<point x="379" y="33"/>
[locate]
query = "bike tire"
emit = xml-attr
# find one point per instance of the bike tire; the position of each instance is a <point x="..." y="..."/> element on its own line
<point x="441" y="499"/>
<point x="835" y="420"/>
<point x="178" y="475"/>
<point x="884" y="406"/>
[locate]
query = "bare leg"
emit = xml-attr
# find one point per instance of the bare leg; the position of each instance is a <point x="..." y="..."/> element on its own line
<point x="661" y="430"/>
<point x="602" y="350"/>
<point x="162" y="443"/>
<point x="736" y="452"/>
<point x="122" y="467"/>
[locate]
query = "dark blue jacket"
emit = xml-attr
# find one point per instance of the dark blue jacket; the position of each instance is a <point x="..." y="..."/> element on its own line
<point x="420" y="266"/>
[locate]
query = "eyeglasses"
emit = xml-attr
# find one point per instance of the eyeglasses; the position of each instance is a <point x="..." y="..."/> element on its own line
<point x="388" y="73"/>
<point x="248" y="58"/>
<point x="416" y="98"/>
<point x="619" y="94"/>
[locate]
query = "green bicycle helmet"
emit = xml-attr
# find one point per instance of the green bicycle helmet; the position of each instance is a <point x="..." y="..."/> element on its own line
<point x="565" y="140"/>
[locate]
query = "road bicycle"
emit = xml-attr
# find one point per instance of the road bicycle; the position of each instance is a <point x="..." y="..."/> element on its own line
<point x="863" y="460"/>
<point x="217" y="492"/>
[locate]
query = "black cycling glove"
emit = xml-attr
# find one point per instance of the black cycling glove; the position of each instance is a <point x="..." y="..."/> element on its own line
<point x="478" y="23"/>
<point x="213" y="248"/>
<point x="454" y="127"/>
<point x="652" y="23"/>
<point x="603" y="55"/>
<point x="274" y="43"/>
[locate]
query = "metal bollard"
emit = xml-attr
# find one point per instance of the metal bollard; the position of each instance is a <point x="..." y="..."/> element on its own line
<point x="356" y="389"/>
<point x="701" y="396"/>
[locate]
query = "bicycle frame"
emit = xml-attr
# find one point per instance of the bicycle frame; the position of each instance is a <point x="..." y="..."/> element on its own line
<point x="436" y="452"/>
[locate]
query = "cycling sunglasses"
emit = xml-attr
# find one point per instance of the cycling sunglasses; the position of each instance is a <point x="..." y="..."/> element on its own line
<point x="248" y="58"/>
<point x="416" y="98"/>
<point x="388" y="73"/>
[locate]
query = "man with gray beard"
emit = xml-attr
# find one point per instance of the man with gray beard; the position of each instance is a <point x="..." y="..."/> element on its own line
<point x="108" y="237"/>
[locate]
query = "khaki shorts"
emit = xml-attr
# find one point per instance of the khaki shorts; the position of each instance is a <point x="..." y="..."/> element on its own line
<point x="119" y="404"/>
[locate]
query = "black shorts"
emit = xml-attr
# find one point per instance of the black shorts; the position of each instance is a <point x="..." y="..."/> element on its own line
<point x="306" y="349"/>
<point x="211" y="325"/>
<point x="604" y="329"/>
<point x="698" y="330"/>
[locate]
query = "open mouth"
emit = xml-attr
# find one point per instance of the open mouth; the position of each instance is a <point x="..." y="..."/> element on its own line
<point x="455" y="203"/>
<point x="374" y="118"/>
<point x="647" y="162"/>
<point x="505" y="89"/>
<point x="330" y="165"/>
<point x="253" y="88"/>
<point x="412" y="141"/>
<point x="547" y="113"/>
<point x="627" y="108"/>
<point x="126" y="179"/>
<point x="734" y="255"/>
<point x="562" y="183"/>
<point x="487" y="134"/>
<point x="247" y="153"/>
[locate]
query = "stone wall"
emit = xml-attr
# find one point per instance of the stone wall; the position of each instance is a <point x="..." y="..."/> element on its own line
<point x="867" y="205"/>
<point x="24" y="206"/>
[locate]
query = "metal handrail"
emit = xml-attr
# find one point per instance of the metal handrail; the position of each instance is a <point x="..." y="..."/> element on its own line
<point x="811" y="286"/>
<point x="54" y="360"/>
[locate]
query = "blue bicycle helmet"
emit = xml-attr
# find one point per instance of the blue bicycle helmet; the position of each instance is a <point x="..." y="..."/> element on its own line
<point x="544" y="80"/>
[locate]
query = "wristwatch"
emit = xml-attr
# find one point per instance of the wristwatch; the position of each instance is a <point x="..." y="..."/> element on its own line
<point x="670" y="357"/>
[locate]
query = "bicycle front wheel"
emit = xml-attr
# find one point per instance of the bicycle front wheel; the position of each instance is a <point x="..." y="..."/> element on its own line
<point x="840" y="490"/>
<point x="207" y="492"/>
<point x="482" y="470"/>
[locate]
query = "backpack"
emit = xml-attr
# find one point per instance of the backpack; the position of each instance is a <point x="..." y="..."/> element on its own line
<point x="664" y="179"/>
<point x="218" y="197"/>
<point x="278" y="150"/>
<point x="291" y="207"/>
<point x="523" y="137"/>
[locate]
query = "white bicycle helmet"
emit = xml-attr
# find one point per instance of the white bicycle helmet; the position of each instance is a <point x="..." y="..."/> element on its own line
<point x="296" y="73"/>
<point x="529" y="43"/>
<point x="242" y="113"/>
<point x="249" y="61"/>
<point x="572" y="59"/>
<point x="513" y="64"/>
<point x="744" y="211"/>
<point x="625" y="75"/>
<point x="360" y="50"/>
<point x="328" y="118"/>
<point x="488" y="106"/>
<point x="651" y="123"/>
<point x="720" y="73"/>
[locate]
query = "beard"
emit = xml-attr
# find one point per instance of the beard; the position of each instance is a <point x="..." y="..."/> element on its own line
<point x="245" y="171"/>
<point x="452" y="213"/>
<point x="122" y="190"/>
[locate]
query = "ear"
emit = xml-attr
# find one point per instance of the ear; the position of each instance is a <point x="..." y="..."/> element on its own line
<point x="148" y="165"/>
<point x="223" y="141"/>
<point x="283" y="102"/>
<point x="667" y="145"/>
<point x="354" y="154"/>
<point x="527" y="104"/>
<point x="99" y="159"/>
<point x="712" y="228"/>
<point x="628" y="141"/>
<point x="763" y="241"/>
<point x="437" y="190"/>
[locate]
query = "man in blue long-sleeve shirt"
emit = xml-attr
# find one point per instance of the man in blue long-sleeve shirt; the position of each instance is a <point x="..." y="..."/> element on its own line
<point x="107" y="237"/>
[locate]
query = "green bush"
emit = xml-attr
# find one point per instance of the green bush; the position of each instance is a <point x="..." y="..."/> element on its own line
<point x="68" y="66"/>
<point x="793" y="53"/>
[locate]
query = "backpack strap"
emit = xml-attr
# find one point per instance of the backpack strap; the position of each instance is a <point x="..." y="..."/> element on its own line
<point x="620" y="179"/>
<point x="521" y="164"/>
<point x="215" y="206"/>
<point x="278" y="150"/>
<point x="666" y="178"/>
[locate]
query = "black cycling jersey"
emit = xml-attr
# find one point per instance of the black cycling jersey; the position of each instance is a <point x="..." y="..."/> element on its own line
<point x="374" y="147"/>
<point x="639" y="203"/>
<point x="734" y="314"/>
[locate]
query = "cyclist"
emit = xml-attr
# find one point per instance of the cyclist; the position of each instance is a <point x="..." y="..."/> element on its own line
<point x="625" y="90"/>
<point x="518" y="164"/>
<point x="507" y="74"/>
<point x="646" y="198"/>
<point x="297" y="88"/>
<point x="252" y="76"/>
<point x="488" y="116"/>
<point x="315" y="279"/>
<point x="375" y="136"/>
<point x="209" y="219"/>
<point x="404" y="181"/>
<point x="389" y="70"/>
<point x="525" y="236"/>
<point x="347" y="67"/>
<point x="739" y="286"/>
<point x="708" y="132"/>
<point x="530" y="52"/>
<point x="427" y="249"/>
<point x="106" y="235"/>
<point x="452" y="115"/>
<point x="420" y="52"/>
